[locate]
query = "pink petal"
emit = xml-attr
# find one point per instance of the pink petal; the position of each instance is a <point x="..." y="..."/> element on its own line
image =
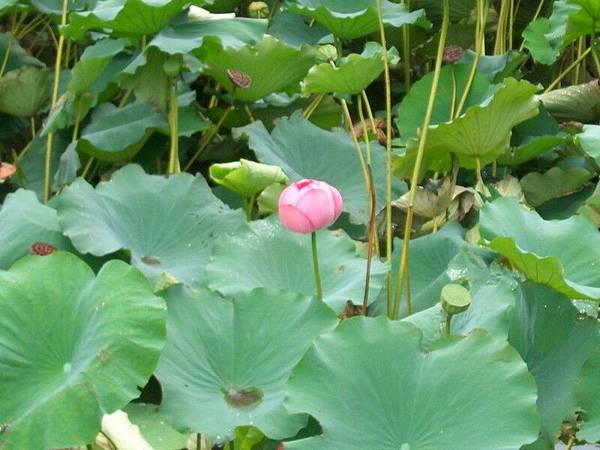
<point x="337" y="199"/>
<point x="289" y="196"/>
<point x="318" y="206"/>
<point x="294" y="220"/>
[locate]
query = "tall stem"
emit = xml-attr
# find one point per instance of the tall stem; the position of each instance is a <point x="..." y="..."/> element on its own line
<point x="174" y="166"/>
<point x="565" y="72"/>
<point x="479" y="50"/>
<point x="538" y="10"/>
<point x="388" y="153"/>
<point x="6" y="53"/>
<point x="594" y="50"/>
<point x="57" y="66"/>
<point x="315" y="258"/>
<point x="417" y="169"/>
<point x="406" y="54"/>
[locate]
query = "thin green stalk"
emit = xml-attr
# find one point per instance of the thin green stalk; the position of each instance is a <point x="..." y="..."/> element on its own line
<point x="483" y="188"/>
<point x="313" y="105"/>
<point x="57" y="67"/>
<point x="358" y="151"/>
<point x="511" y="24"/>
<point x="500" y="43"/>
<point x="565" y="72"/>
<point x="448" y="324"/>
<point x="249" y="113"/>
<point x="388" y="153"/>
<point x="207" y="138"/>
<point x="580" y="50"/>
<point x="417" y="169"/>
<point x="594" y="50"/>
<point x="372" y="227"/>
<point x="274" y="6"/>
<point x="406" y="53"/>
<point x="479" y="50"/>
<point x="369" y="110"/>
<point x="453" y="97"/>
<point x="174" y="165"/>
<point x="315" y="258"/>
<point x="87" y="167"/>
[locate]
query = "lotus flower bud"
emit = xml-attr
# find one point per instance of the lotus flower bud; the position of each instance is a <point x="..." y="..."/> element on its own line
<point x="309" y="205"/>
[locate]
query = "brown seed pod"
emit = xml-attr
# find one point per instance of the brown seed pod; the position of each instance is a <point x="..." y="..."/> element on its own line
<point x="41" y="249"/>
<point x="379" y="130"/>
<point x="239" y="79"/>
<point x="453" y="53"/>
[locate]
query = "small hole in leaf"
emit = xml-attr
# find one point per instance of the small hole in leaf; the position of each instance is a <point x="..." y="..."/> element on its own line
<point x="41" y="249"/>
<point x="151" y="260"/>
<point x="240" y="398"/>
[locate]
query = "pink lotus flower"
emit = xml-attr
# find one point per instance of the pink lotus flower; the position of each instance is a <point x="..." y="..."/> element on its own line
<point x="309" y="205"/>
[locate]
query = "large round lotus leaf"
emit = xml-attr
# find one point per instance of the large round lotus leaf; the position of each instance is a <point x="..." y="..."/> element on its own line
<point x="555" y="183"/>
<point x="482" y="132"/>
<point x="304" y="150"/>
<point x="352" y="75"/>
<point x="411" y="111"/>
<point x="189" y="36"/>
<point x="72" y="347"/>
<point x="168" y="224"/>
<point x="588" y="397"/>
<point x="227" y="360"/>
<point x="268" y="67"/>
<point x="25" y="221"/>
<point x="116" y="134"/>
<point x="350" y="19"/>
<point x="555" y="340"/>
<point x="23" y="91"/>
<point x="397" y="396"/>
<point x="564" y="254"/>
<point x="142" y="17"/>
<point x="264" y="254"/>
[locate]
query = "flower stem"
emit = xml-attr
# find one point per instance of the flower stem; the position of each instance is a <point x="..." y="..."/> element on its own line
<point x="406" y="56"/>
<point x="448" y="323"/>
<point x="315" y="259"/>
<point x="417" y="169"/>
<point x="174" y="166"/>
<point x="57" y="66"/>
<point x="565" y="72"/>
<point x="388" y="153"/>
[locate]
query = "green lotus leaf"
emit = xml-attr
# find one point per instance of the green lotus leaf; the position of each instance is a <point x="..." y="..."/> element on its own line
<point x="296" y="32"/>
<point x="545" y="37"/>
<point x="555" y="183"/>
<point x="549" y="332"/>
<point x="141" y="17"/>
<point x="54" y="7"/>
<point x="458" y="393"/>
<point x="588" y="397"/>
<point x="189" y="36"/>
<point x="589" y="141"/>
<point x="563" y="254"/>
<point x="264" y="254"/>
<point x="154" y="427"/>
<point x="353" y="74"/>
<point x="25" y="221"/>
<point x="73" y="346"/>
<point x="304" y="150"/>
<point x="7" y="4"/>
<point x="15" y="55"/>
<point x="92" y="63"/>
<point x="24" y="91"/>
<point x="580" y="102"/>
<point x="246" y="178"/>
<point x="267" y="67"/>
<point x="411" y="111"/>
<point x="533" y="138"/>
<point x="482" y="133"/>
<point x="168" y="225"/>
<point x="32" y="163"/>
<point x="226" y="360"/>
<point x="117" y="134"/>
<point x="351" y="19"/>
